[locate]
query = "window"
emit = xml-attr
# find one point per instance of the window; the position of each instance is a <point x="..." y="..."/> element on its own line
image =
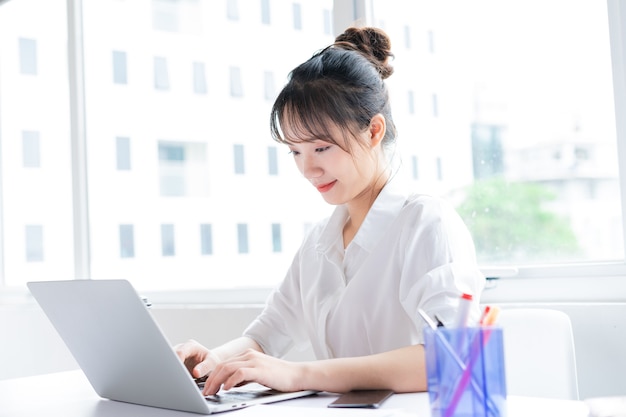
<point x="30" y="149"/>
<point x="269" y="86"/>
<point x="518" y="103"/>
<point x="122" y="148"/>
<point x="431" y="41"/>
<point x="34" y="243"/>
<point x="232" y="10"/>
<point x="236" y="85"/>
<point x="179" y="16"/>
<point x="297" y="16"/>
<point x="526" y="117"/>
<point x="36" y="214"/>
<point x="265" y="12"/>
<point x="407" y="37"/>
<point x="28" y="56"/>
<point x="272" y="160"/>
<point x="183" y="169"/>
<point x="242" y="238"/>
<point x="415" y="167"/>
<point x="199" y="78"/>
<point x="127" y="241"/>
<point x="277" y="243"/>
<point x="206" y="239"/>
<point x="328" y="22"/>
<point x="165" y="15"/>
<point x="161" y="77"/>
<point x="411" y="101"/>
<point x="239" y="159"/>
<point x="172" y="169"/>
<point x="167" y="240"/>
<point x="439" y="165"/>
<point x="119" y="67"/>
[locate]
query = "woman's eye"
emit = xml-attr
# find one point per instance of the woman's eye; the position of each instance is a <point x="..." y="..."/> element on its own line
<point x="322" y="149"/>
<point x="294" y="153"/>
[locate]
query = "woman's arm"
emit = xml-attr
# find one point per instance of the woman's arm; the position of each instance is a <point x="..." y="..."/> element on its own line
<point x="401" y="370"/>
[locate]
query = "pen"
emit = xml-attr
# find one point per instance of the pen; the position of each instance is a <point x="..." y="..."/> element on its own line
<point x="484" y="315"/>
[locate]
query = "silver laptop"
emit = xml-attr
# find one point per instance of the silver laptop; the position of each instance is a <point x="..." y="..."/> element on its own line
<point x="124" y="354"/>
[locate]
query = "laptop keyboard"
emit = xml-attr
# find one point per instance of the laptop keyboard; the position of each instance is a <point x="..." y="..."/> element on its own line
<point x="233" y="396"/>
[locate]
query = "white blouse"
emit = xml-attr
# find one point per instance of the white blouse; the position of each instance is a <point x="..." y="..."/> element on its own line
<point x="411" y="252"/>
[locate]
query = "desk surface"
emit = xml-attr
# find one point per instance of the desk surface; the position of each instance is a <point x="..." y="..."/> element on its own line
<point x="68" y="394"/>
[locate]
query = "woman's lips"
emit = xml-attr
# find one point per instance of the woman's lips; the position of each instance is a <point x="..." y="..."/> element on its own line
<point x="322" y="188"/>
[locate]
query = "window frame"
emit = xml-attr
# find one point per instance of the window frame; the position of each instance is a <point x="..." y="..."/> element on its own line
<point x="345" y="13"/>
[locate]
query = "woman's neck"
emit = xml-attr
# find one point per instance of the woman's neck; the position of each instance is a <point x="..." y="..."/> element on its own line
<point x="360" y="206"/>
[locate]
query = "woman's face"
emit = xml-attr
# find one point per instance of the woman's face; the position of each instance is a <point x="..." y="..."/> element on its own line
<point x="339" y="176"/>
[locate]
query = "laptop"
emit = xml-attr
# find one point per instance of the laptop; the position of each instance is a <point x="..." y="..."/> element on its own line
<point x="123" y="352"/>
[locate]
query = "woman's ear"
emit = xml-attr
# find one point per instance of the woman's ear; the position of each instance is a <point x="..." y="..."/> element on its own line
<point x="377" y="129"/>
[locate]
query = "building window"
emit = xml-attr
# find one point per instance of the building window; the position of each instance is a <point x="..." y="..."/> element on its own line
<point x="206" y="239"/>
<point x="269" y="85"/>
<point x="122" y="152"/>
<point x="34" y="243"/>
<point x="28" y="56"/>
<point x="199" y="78"/>
<point x="165" y="15"/>
<point x="272" y="160"/>
<point x="265" y="12"/>
<point x="414" y="167"/>
<point x="435" y="100"/>
<point x="232" y="10"/>
<point x="119" y="67"/>
<point x="411" y="101"/>
<point x="407" y="37"/>
<point x="431" y="41"/>
<point x="236" y="86"/>
<point x="127" y="241"/>
<point x="183" y="169"/>
<point x="167" y="240"/>
<point x="161" y="77"/>
<point x="297" y="16"/>
<point x="328" y="22"/>
<point x="171" y="169"/>
<point x="30" y="149"/>
<point x="239" y="159"/>
<point x="242" y="238"/>
<point x="277" y="245"/>
<point x="439" y="169"/>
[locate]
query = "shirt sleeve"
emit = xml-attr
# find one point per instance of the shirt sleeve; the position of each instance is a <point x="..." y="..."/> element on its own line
<point x="439" y="265"/>
<point x="279" y="326"/>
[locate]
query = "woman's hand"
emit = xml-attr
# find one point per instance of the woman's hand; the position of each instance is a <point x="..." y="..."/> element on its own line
<point x="254" y="366"/>
<point x="199" y="360"/>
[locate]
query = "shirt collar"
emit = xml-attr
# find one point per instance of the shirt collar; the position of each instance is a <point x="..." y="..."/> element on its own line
<point x="382" y="213"/>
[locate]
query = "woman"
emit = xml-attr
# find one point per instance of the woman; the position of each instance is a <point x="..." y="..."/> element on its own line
<point x="359" y="278"/>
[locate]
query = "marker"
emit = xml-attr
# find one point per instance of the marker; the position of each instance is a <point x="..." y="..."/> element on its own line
<point x="462" y="314"/>
<point x="491" y="316"/>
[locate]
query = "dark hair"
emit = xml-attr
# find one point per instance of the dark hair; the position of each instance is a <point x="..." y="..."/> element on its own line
<point x="342" y="84"/>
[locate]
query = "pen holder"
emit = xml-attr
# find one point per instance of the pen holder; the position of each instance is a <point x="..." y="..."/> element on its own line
<point x="465" y="369"/>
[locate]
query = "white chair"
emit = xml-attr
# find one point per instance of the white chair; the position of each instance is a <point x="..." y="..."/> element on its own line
<point x="539" y="353"/>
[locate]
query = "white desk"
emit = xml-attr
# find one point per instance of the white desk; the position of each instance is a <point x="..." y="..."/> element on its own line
<point x="68" y="394"/>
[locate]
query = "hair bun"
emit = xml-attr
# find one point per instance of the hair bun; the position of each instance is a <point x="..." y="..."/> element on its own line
<point x="372" y="42"/>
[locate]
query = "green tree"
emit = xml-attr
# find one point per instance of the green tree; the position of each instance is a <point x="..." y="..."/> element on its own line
<point x="509" y="222"/>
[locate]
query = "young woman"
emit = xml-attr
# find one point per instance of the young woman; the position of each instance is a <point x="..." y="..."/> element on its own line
<point x="357" y="282"/>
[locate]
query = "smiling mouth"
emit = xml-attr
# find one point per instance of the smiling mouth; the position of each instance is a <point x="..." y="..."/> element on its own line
<point x="325" y="187"/>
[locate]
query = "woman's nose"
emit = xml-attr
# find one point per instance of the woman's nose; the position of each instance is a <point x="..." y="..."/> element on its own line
<point x="309" y="167"/>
